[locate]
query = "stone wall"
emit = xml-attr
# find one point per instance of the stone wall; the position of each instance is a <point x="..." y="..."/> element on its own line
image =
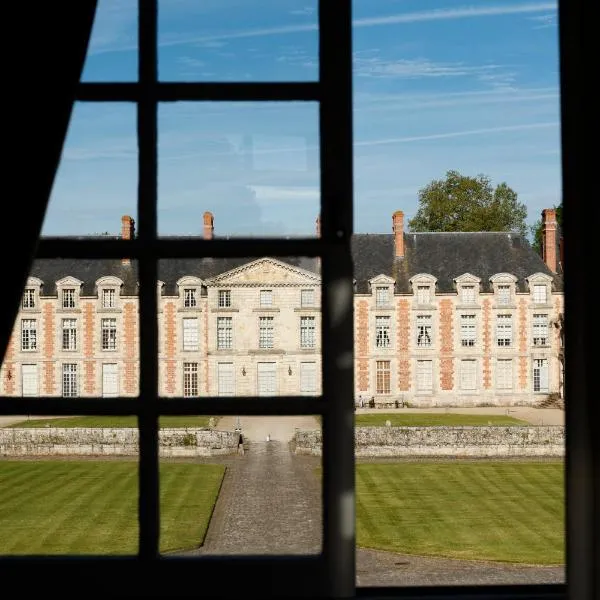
<point x="450" y="442"/>
<point x="60" y="441"/>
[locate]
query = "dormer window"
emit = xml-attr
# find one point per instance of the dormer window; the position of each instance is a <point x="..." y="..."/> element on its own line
<point x="109" y="298"/>
<point x="503" y="294"/>
<point x="68" y="298"/>
<point x="382" y="296"/>
<point x="424" y="294"/>
<point x="190" y="297"/>
<point x="29" y="300"/>
<point x="540" y="293"/>
<point x="503" y="285"/>
<point x="467" y="294"/>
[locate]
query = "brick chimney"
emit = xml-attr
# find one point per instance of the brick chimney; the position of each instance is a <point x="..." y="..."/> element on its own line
<point x="398" y="229"/>
<point x="318" y="226"/>
<point x="209" y="225"/>
<point x="549" y="241"/>
<point x="127" y="233"/>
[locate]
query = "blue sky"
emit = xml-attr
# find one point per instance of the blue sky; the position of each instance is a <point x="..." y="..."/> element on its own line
<point x="438" y="85"/>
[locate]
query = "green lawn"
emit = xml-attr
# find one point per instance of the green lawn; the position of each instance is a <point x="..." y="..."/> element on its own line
<point x="117" y="421"/>
<point x="429" y="419"/>
<point x="79" y="507"/>
<point x="502" y="511"/>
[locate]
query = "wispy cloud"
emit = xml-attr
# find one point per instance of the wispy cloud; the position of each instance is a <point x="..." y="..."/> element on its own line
<point x="466" y="12"/>
<point x="453" y="134"/>
<point x="305" y="10"/>
<point x="544" y="21"/>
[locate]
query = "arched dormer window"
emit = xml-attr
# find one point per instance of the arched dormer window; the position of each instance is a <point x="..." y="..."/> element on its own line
<point x="467" y="288"/>
<point x="190" y="289"/>
<point x="109" y="291"/>
<point x="382" y="287"/>
<point x="423" y="286"/>
<point x="31" y="294"/>
<point x="503" y="285"/>
<point x="540" y="288"/>
<point x="69" y="290"/>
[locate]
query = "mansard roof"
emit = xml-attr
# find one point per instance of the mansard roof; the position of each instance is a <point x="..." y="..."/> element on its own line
<point x="445" y="256"/>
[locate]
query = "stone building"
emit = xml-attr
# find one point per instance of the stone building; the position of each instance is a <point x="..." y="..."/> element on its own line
<point x="441" y="319"/>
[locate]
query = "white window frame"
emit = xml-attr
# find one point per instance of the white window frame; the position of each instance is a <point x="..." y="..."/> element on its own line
<point x="468" y="330"/>
<point x="541" y="376"/>
<point x="308" y="377"/>
<point x="266" y="332"/>
<point x="29" y="337"/>
<point x="108" y="334"/>
<point x="69" y="334"/>
<point x="424" y="378"/>
<point x="539" y="293"/>
<point x="68" y="298"/>
<point x="225" y="379"/>
<point x="308" y="328"/>
<point x="29" y="300"/>
<point x="468" y="374"/>
<point x="307" y="298"/>
<point x="468" y="293"/>
<point x="504" y="330"/>
<point x="70" y="380"/>
<point x="423" y="294"/>
<point x="190" y="380"/>
<point x="383" y="377"/>
<point x="504" y="374"/>
<point x="224" y="298"/>
<point x="109" y="298"/>
<point x="504" y="294"/>
<point x="266" y="298"/>
<point x="540" y="329"/>
<point x="382" y="296"/>
<point x="190" y="297"/>
<point x="105" y="367"/>
<point x="190" y="334"/>
<point x="224" y="333"/>
<point x="383" y="331"/>
<point x="35" y="370"/>
<point x="424" y="330"/>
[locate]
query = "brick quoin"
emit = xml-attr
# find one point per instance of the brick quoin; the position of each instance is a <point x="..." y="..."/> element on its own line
<point x="205" y="354"/>
<point x="49" y="336"/>
<point x="487" y="340"/>
<point x="447" y="343"/>
<point x="169" y="312"/>
<point x="522" y="344"/>
<point x="89" y="366"/>
<point x="9" y="366"/>
<point x="130" y="347"/>
<point x="403" y="342"/>
<point x="362" y="333"/>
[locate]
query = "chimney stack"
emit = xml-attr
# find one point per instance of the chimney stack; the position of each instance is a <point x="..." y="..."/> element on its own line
<point x="127" y="233"/>
<point x="549" y="239"/>
<point x="318" y="226"/>
<point x="398" y="229"/>
<point x="209" y="225"/>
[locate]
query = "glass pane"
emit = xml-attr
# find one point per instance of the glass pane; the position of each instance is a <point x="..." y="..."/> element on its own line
<point x="77" y="331"/>
<point x="254" y="166"/>
<point x="96" y="182"/>
<point x="217" y="339"/>
<point x="52" y="504"/>
<point x="113" y="49"/>
<point x="257" y="40"/>
<point x="245" y="485"/>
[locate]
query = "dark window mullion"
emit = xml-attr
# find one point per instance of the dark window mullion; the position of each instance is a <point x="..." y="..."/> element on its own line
<point x="149" y="509"/>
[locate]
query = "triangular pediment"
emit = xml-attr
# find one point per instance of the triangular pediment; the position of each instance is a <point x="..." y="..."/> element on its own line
<point x="266" y="271"/>
<point x="467" y="278"/>
<point x="69" y="281"/>
<point x="381" y="279"/>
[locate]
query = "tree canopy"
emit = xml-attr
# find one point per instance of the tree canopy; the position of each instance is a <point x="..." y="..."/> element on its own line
<point x="463" y="203"/>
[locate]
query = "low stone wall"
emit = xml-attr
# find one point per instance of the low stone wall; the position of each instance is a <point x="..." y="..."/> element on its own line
<point x="60" y="441"/>
<point x="450" y="442"/>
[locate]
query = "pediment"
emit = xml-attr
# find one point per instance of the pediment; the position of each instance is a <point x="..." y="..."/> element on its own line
<point x="503" y="278"/>
<point x="109" y="280"/>
<point x="467" y="278"/>
<point x="266" y="271"/>
<point x="34" y="281"/>
<point x="538" y="278"/>
<point x="381" y="279"/>
<point x="190" y="280"/>
<point x="69" y="280"/>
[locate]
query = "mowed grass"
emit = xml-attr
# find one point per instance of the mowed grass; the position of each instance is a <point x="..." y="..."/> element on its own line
<point x="432" y="419"/>
<point x="500" y="511"/>
<point x="114" y="421"/>
<point x="90" y="507"/>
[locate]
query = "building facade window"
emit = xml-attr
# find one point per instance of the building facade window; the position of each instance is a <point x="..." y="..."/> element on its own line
<point x="468" y="374"/>
<point x="29" y="298"/>
<point x="109" y="298"/>
<point x="265" y="332"/>
<point x="424" y="336"/>
<point x="190" y="379"/>
<point x="382" y="332"/>
<point x="69" y="334"/>
<point x="468" y="333"/>
<point x="225" y="379"/>
<point x="504" y="374"/>
<point x="504" y="330"/>
<point x="307" y="332"/>
<point x="224" y="298"/>
<point x="190" y="334"/>
<point x="68" y="298"/>
<point x="382" y="296"/>
<point x="28" y="334"/>
<point x="540" y="295"/>
<point x="503" y="294"/>
<point x="308" y="378"/>
<point x="540" y="329"/>
<point x="424" y="376"/>
<point x="109" y="334"/>
<point x="424" y="294"/>
<point x="224" y="333"/>
<point x="540" y="375"/>
<point x="307" y="297"/>
<point x="382" y="379"/>
<point x="190" y="298"/>
<point x="266" y="298"/>
<point x="70" y="387"/>
<point x="467" y="294"/>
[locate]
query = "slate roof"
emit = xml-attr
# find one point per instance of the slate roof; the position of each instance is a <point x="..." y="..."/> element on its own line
<point x="443" y="255"/>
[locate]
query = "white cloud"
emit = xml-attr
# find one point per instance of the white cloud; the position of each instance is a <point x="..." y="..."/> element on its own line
<point x="544" y="21"/>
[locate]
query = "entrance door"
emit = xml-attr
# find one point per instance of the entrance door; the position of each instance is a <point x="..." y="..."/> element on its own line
<point x="225" y="379"/>
<point x="110" y="380"/>
<point x="267" y="379"/>
<point x="29" y="374"/>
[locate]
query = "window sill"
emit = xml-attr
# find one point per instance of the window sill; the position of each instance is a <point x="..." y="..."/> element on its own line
<point x="225" y="310"/>
<point x="266" y="310"/>
<point x="261" y="351"/>
<point x="308" y="309"/>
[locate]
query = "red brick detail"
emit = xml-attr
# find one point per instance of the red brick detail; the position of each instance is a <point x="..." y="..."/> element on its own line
<point x="487" y="344"/>
<point x="130" y="348"/>
<point x="10" y="374"/>
<point x="89" y="377"/>
<point x="522" y="329"/>
<point x="89" y="366"/>
<point x="170" y="324"/>
<point x="403" y="334"/>
<point x="49" y="328"/>
<point x="446" y="345"/>
<point x="362" y="334"/>
<point x="205" y="355"/>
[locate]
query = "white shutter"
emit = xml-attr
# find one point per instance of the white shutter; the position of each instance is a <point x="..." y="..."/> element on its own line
<point x="29" y="374"/>
<point x="543" y="375"/>
<point x="190" y="334"/>
<point x="110" y="380"/>
<point x="504" y="374"/>
<point x="308" y="377"/>
<point x="225" y="379"/>
<point x="468" y="374"/>
<point x="424" y="375"/>
<point x="267" y="379"/>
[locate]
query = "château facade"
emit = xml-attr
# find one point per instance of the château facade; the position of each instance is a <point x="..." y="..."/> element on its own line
<point x="441" y="319"/>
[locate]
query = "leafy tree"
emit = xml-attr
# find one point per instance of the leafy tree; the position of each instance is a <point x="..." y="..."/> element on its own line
<point x="462" y="203"/>
<point x="536" y="229"/>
